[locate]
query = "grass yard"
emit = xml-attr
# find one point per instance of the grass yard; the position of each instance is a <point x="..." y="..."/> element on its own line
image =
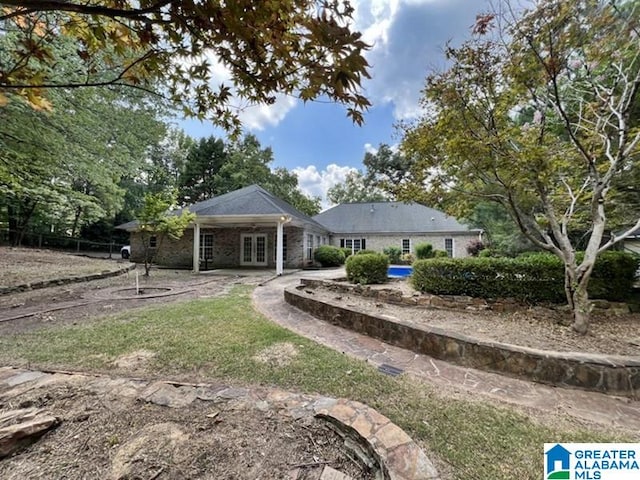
<point x="222" y="338"/>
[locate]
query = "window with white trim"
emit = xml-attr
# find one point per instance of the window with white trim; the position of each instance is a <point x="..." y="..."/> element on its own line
<point x="406" y="246"/>
<point x="309" y="246"/>
<point x="448" y="246"/>
<point x="355" y="244"/>
<point x="206" y="246"/>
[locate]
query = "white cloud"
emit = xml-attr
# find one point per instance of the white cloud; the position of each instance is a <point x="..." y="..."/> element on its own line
<point x="316" y="183"/>
<point x="368" y="148"/>
<point x="253" y="116"/>
<point x="258" y="117"/>
<point x="407" y="38"/>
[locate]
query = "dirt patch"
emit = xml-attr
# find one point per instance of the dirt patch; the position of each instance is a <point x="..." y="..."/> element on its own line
<point x="103" y="436"/>
<point x="22" y="265"/>
<point x="87" y="302"/>
<point x="277" y="355"/>
<point x="534" y="327"/>
<point x="137" y="360"/>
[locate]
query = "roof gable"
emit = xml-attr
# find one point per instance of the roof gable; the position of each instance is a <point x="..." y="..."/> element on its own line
<point x="248" y="201"/>
<point x="388" y="217"/>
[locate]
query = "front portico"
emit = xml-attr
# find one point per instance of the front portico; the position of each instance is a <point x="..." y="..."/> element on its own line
<point x="256" y="237"/>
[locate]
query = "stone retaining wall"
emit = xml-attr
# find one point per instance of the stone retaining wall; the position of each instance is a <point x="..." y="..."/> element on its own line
<point x="459" y="302"/>
<point x="602" y="373"/>
<point x="65" y="281"/>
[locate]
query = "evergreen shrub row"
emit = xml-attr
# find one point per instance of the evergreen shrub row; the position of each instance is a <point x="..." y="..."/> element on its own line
<point x="532" y="278"/>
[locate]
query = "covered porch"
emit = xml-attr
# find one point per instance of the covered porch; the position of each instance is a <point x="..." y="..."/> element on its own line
<point x="245" y="241"/>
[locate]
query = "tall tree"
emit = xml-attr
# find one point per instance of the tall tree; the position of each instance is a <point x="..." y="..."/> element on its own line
<point x="387" y="168"/>
<point x="248" y="163"/>
<point x="295" y="47"/>
<point x="65" y="167"/>
<point x="355" y="188"/>
<point x="197" y="181"/>
<point x="576" y="66"/>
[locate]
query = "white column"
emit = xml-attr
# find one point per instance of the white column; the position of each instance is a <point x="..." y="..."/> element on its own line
<point x="196" y="247"/>
<point x="279" y="250"/>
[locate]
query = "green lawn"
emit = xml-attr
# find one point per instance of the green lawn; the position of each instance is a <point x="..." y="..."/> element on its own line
<point x="218" y="338"/>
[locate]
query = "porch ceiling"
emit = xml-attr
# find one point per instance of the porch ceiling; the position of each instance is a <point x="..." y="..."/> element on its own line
<point x="230" y="221"/>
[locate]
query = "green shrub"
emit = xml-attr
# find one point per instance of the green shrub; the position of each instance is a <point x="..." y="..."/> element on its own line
<point x="440" y="254"/>
<point x="347" y="252"/>
<point x="490" y="253"/>
<point x="424" y="250"/>
<point x="328" y="256"/>
<point x="613" y="275"/>
<point x="407" y="258"/>
<point x="367" y="268"/>
<point x="394" y="254"/>
<point x="537" y="277"/>
<point x="365" y="252"/>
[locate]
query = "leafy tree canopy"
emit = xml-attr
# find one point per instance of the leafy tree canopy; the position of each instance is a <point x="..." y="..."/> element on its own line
<point x="536" y="113"/>
<point x="355" y="188"/>
<point x="294" y="47"/>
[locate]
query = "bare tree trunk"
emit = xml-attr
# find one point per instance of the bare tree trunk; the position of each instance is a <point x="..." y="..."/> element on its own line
<point x="581" y="309"/>
<point x="576" y="281"/>
<point x="76" y="221"/>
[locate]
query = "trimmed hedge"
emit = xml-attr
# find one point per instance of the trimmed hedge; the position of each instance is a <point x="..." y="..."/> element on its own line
<point x="328" y="256"/>
<point x="534" y="278"/>
<point x="367" y="268"/>
<point x="365" y="252"/>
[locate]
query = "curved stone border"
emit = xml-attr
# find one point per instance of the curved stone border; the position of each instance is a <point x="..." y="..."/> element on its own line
<point x="65" y="281"/>
<point x="378" y="442"/>
<point x="610" y="374"/>
<point x="459" y="302"/>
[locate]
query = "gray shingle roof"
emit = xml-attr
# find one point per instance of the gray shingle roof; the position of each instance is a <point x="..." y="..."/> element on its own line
<point x="251" y="200"/>
<point x="388" y="217"/>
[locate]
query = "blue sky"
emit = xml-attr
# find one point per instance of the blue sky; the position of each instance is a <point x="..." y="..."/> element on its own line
<point x="317" y="140"/>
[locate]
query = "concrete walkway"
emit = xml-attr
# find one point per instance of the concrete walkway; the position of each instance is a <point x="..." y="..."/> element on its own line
<point x="608" y="411"/>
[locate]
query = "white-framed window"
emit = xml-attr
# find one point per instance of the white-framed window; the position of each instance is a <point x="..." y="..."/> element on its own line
<point x="206" y="246"/>
<point x="284" y="248"/>
<point x="406" y="246"/>
<point x="448" y="246"/>
<point x="309" y="246"/>
<point x="355" y="244"/>
<point x="318" y="241"/>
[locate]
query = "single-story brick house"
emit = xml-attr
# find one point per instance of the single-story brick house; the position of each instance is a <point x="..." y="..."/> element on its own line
<point x="377" y="225"/>
<point x="251" y="227"/>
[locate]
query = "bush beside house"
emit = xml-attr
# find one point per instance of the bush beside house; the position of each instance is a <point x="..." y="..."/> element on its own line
<point x="367" y="268"/>
<point x="329" y="256"/>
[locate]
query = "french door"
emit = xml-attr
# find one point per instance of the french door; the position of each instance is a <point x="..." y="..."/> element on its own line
<point x="253" y="249"/>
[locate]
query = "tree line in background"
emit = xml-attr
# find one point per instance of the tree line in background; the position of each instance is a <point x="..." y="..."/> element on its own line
<point x="85" y="89"/>
<point x="85" y="166"/>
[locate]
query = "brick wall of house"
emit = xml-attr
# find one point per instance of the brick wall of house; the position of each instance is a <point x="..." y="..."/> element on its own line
<point x="172" y="253"/>
<point x="379" y="242"/>
<point x="226" y="247"/>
